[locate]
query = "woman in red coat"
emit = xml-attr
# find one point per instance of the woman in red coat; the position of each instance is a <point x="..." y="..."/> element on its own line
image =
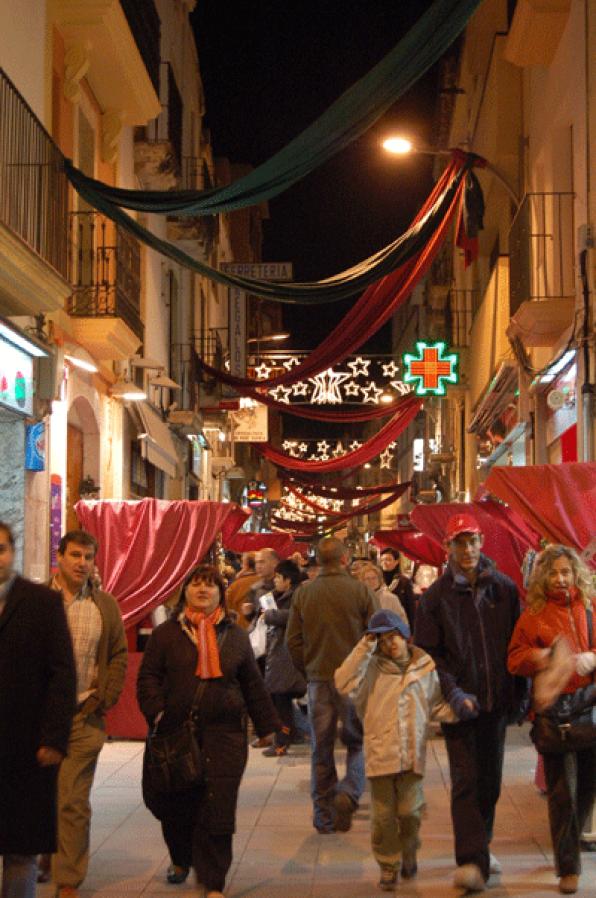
<point x="559" y="601"/>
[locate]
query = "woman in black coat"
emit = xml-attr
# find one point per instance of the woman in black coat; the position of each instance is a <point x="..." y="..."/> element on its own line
<point x="282" y="679"/>
<point x="37" y="701"/>
<point x="198" y="824"/>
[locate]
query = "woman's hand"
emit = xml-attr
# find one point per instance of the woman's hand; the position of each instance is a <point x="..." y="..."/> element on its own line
<point x="585" y="663"/>
<point x="48" y="757"/>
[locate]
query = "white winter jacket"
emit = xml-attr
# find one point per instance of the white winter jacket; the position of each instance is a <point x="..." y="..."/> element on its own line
<point x="395" y="707"/>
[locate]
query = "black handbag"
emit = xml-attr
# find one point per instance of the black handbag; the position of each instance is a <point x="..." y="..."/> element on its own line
<point x="173" y="761"/>
<point x="570" y="723"/>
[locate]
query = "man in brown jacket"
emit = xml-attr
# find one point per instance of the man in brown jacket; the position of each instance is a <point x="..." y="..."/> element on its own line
<point x="101" y="655"/>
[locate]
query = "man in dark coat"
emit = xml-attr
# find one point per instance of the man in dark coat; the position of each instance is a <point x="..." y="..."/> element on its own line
<point x="37" y="702"/>
<point x="465" y="621"/>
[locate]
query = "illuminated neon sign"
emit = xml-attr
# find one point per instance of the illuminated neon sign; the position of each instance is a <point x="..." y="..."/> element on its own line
<point x="431" y="369"/>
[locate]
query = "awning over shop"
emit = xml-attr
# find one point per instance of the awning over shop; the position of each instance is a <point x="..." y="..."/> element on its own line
<point x="415" y="545"/>
<point x="495" y="399"/>
<point x="146" y="548"/>
<point x="157" y="443"/>
<point x="282" y="543"/>
<point x="559" y="501"/>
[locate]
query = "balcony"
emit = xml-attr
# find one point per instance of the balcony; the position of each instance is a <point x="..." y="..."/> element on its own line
<point x="460" y="309"/>
<point x="144" y="22"/>
<point x="33" y="211"/>
<point x="542" y="272"/>
<point x="105" y="265"/>
<point x="158" y="145"/>
<point x="196" y="234"/>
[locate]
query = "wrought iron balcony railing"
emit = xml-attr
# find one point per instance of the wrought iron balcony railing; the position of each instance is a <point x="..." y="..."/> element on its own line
<point x="541" y="249"/>
<point x="33" y="188"/>
<point x="105" y="271"/>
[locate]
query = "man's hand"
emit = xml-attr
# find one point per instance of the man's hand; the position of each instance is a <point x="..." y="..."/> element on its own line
<point x="370" y="637"/>
<point x="585" y="663"/>
<point x="48" y="757"/>
<point x="464" y="704"/>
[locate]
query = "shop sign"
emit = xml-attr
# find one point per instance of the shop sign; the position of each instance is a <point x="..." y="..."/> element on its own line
<point x="250" y="424"/>
<point x="16" y="378"/>
<point x="35" y="447"/>
<point x="431" y="369"/>
<point x="561" y="405"/>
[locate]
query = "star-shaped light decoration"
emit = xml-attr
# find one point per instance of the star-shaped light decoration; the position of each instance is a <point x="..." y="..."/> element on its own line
<point x="323" y="446"/>
<point x="386" y="458"/>
<point x="281" y="394"/>
<point x="327" y="386"/>
<point x="303" y="447"/>
<point x="355" y="444"/>
<point x="339" y="449"/>
<point x="351" y="388"/>
<point x="289" y="363"/>
<point x="359" y="366"/>
<point x="390" y="369"/>
<point x="300" y="389"/>
<point x="371" y="393"/>
<point x="431" y="369"/>
<point x="288" y="444"/>
<point x="400" y="387"/>
<point x="262" y="371"/>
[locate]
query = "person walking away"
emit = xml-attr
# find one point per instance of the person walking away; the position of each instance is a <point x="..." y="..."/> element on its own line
<point x="560" y="598"/>
<point x="238" y="590"/>
<point x="201" y="645"/>
<point x="397" y="583"/>
<point x="101" y="656"/>
<point x="37" y="701"/>
<point x="396" y="693"/>
<point x="465" y="621"/>
<point x="282" y="680"/>
<point x="328" y="616"/>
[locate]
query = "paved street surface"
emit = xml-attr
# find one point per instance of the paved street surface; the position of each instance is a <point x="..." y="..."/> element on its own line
<point x="277" y="853"/>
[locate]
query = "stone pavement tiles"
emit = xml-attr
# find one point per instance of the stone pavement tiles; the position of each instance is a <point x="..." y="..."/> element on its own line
<point x="277" y="853"/>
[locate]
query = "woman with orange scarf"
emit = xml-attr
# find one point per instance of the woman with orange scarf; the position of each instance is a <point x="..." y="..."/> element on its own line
<point x="559" y="601"/>
<point x="201" y="644"/>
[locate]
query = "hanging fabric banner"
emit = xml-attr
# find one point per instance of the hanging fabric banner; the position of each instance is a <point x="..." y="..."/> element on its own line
<point x="345" y="120"/>
<point x="373" y="447"/>
<point x="362" y="508"/>
<point x="333" y="492"/>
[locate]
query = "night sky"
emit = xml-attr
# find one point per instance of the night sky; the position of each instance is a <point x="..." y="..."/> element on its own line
<point x="270" y="67"/>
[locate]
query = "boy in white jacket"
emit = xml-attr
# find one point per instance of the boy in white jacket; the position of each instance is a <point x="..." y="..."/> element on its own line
<point x="396" y="692"/>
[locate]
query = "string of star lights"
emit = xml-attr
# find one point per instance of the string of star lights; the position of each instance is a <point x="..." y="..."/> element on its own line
<point x="362" y="381"/>
<point x="322" y="450"/>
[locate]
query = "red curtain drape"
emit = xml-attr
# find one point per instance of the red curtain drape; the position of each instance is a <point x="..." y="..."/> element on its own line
<point x="339" y="492"/>
<point x="387" y="434"/>
<point x="414" y="544"/>
<point x="282" y="543"/>
<point x="146" y="548"/>
<point x="361" y="508"/>
<point x="500" y="544"/>
<point x="559" y="501"/>
<point x="376" y="305"/>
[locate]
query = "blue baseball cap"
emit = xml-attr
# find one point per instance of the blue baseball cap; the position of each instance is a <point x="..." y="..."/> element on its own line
<point x="385" y="621"/>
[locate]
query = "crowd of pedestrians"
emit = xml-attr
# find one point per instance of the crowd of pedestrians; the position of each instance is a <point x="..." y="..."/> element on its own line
<point x="371" y="655"/>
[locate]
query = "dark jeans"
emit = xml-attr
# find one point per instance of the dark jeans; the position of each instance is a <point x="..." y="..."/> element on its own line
<point x="570" y="784"/>
<point x="191" y="845"/>
<point x="326" y="708"/>
<point x="475" y="749"/>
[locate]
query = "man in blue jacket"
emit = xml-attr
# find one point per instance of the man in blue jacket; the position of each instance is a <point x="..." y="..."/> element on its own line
<point x="465" y="621"/>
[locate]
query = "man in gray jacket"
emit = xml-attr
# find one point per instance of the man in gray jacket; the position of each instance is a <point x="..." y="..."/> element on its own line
<point x="101" y="655"/>
<point x="328" y="616"/>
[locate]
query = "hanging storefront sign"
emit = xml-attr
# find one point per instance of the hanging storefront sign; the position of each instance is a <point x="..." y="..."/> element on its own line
<point x="249" y="424"/>
<point x="431" y="369"/>
<point x="35" y="447"/>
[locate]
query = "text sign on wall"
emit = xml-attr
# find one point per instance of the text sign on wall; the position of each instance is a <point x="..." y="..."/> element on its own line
<point x="249" y="425"/>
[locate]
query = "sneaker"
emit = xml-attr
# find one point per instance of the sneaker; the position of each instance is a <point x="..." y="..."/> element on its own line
<point x="409" y="865"/>
<point x="344" y="809"/>
<point x="262" y="742"/>
<point x="275" y="751"/>
<point x="176" y="874"/>
<point x="469" y="877"/>
<point x="494" y="865"/>
<point x="388" y="880"/>
<point x="569" y="884"/>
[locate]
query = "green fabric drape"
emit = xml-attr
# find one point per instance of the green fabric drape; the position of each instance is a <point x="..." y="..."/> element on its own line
<point x="340" y="286"/>
<point x="345" y="120"/>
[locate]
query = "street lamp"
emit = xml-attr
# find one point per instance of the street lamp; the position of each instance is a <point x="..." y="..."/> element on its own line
<point x="401" y="146"/>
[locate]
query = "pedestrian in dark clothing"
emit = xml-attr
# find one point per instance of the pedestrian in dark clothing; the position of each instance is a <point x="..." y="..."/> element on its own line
<point x="465" y="621"/>
<point x="37" y="702"/>
<point x="398" y="584"/>
<point x="200" y="642"/>
<point x="328" y="616"/>
<point x="282" y="679"/>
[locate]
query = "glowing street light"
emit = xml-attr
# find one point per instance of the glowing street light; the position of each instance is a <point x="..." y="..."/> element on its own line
<point x="399" y="146"/>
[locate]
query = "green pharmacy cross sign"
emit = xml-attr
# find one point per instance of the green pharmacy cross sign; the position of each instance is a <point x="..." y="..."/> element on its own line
<point x="431" y="368"/>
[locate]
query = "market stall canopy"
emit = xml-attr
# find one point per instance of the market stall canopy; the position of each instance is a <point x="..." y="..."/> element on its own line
<point x="146" y="548"/>
<point x="282" y="543"/>
<point x="559" y="501"/>
<point x="413" y="543"/>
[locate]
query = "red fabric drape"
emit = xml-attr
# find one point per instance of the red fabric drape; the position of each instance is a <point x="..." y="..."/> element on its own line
<point x="559" y="501"/>
<point x="376" y="305"/>
<point x="316" y="413"/>
<point x="146" y="548"/>
<point x="500" y="544"/>
<point x="282" y="543"/>
<point x="414" y="544"/>
<point x="387" y="434"/>
<point x="340" y="492"/>
<point x="361" y="508"/>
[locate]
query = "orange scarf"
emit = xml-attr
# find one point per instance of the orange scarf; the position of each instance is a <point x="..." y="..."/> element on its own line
<point x="203" y="626"/>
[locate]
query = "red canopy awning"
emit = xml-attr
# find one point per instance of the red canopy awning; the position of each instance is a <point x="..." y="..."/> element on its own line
<point x="282" y="543"/>
<point x="559" y="501"/>
<point x="415" y="545"/>
<point x="146" y="548"/>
